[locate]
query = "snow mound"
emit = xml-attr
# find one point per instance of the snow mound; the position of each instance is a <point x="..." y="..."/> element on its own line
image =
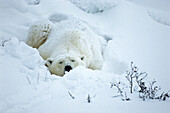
<point x="20" y="66"/>
<point x="20" y="50"/>
<point x="24" y="75"/>
<point x="112" y="62"/>
<point x="57" y="17"/>
<point x="82" y="81"/>
<point x="71" y="24"/>
<point x="32" y="2"/>
<point x="95" y="6"/>
<point x="160" y="16"/>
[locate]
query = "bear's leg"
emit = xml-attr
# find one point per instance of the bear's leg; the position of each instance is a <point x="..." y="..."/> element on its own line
<point x="97" y="60"/>
<point x="38" y="33"/>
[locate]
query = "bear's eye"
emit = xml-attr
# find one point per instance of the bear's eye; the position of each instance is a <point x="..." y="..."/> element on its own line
<point x="82" y="58"/>
<point x="72" y="60"/>
<point x="60" y="62"/>
<point x="50" y="62"/>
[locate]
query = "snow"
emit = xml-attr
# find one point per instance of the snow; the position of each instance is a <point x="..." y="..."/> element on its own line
<point x="160" y="17"/>
<point x="142" y="40"/>
<point x="136" y="31"/>
<point x="95" y="6"/>
<point x="32" y="2"/>
<point x="162" y="5"/>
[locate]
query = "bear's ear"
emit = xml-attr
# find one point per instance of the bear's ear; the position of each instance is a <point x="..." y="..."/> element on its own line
<point x="49" y="61"/>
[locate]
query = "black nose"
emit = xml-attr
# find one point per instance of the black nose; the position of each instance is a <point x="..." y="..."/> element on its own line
<point x="68" y="68"/>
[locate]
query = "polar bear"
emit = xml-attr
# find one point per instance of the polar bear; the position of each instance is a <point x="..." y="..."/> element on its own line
<point x="66" y="45"/>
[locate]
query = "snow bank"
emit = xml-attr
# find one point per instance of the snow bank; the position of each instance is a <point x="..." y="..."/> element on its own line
<point x="30" y="57"/>
<point x="24" y="75"/>
<point x="112" y="62"/>
<point x="160" y="16"/>
<point x="95" y="6"/>
<point x="20" y="65"/>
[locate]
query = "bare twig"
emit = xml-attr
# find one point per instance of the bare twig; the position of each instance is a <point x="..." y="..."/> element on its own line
<point x="28" y="80"/>
<point x="139" y="81"/>
<point x="146" y="91"/>
<point x="119" y="90"/>
<point x="132" y="74"/>
<point x="71" y="95"/>
<point x="122" y="94"/>
<point x="88" y="98"/>
<point x="126" y="98"/>
<point x="112" y="84"/>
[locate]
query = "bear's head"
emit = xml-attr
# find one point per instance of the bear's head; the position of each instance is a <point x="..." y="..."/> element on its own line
<point x="64" y="63"/>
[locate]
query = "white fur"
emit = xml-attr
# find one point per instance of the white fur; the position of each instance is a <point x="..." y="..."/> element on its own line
<point x="67" y="40"/>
